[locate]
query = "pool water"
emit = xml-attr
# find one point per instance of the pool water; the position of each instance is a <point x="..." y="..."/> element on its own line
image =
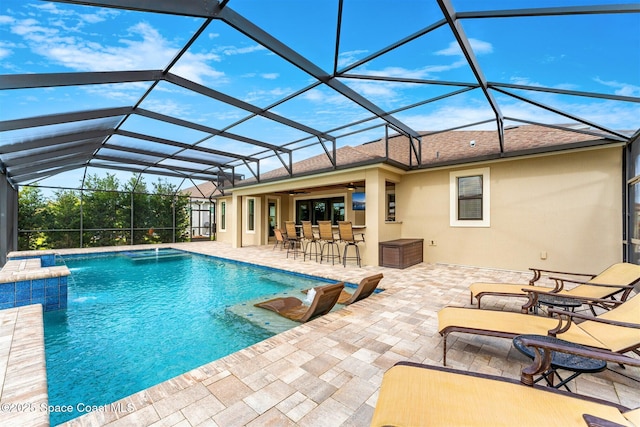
<point x="133" y="322"/>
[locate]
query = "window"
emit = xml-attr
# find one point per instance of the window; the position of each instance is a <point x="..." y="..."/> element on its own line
<point x="337" y="211"/>
<point x="469" y="198"/>
<point x="390" y="190"/>
<point x="319" y="211"/>
<point x="251" y="214"/>
<point x="223" y="216"/>
<point x="315" y="210"/>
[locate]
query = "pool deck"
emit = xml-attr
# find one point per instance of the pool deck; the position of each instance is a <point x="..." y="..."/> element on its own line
<point x="326" y="372"/>
<point x="23" y="375"/>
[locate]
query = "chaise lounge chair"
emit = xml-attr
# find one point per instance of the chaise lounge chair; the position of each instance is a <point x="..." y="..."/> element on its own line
<point x="617" y="330"/>
<point x="420" y="395"/>
<point x="294" y="309"/>
<point x="366" y="287"/>
<point x="619" y="278"/>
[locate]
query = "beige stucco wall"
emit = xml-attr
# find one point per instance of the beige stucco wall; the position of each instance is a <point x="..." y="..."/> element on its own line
<point x="560" y="212"/>
<point x="224" y="235"/>
<point x="568" y="206"/>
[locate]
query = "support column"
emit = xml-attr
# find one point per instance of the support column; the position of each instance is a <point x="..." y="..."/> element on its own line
<point x="8" y="219"/>
<point x="374" y="188"/>
<point x="234" y="221"/>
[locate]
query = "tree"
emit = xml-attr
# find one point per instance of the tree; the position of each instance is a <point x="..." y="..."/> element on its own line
<point x="107" y="214"/>
<point x="104" y="212"/>
<point x="140" y="203"/>
<point x="32" y="219"/>
<point x="65" y="216"/>
<point x="165" y="208"/>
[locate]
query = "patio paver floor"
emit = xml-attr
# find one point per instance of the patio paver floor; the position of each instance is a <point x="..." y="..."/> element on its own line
<point x="327" y="372"/>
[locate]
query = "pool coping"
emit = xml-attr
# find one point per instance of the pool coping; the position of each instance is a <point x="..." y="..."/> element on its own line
<point x="23" y="373"/>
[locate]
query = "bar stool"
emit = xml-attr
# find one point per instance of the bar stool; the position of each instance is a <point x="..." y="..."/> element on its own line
<point x="312" y="246"/>
<point x="329" y="242"/>
<point x="294" y="243"/>
<point x="345" y="230"/>
<point x="280" y="238"/>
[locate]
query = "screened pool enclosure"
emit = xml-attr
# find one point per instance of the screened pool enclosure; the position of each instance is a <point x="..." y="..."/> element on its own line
<point x="221" y="92"/>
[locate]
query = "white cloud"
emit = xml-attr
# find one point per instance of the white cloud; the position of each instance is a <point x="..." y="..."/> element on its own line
<point x="93" y="18"/>
<point x="447" y="117"/>
<point x="448" y="114"/>
<point x="167" y="107"/>
<point x="479" y="48"/>
<point x="346" y="58"/>
<point x="374" y="89"/>
<point x="4" y="19"/>
<point x="5" y="53"/>
<point x="144" y="48"/>
<point x="71" y="20"/>
<point x="270" y="76"/>
<point x="260" y="96"/>
<point x="232" y="50"/>
<point x="194" y="67"/>
<point x="52" y="9"/>
<point x="124" y="93"/>
<point x="31" y="31"/>
<point x="621" y="89"/>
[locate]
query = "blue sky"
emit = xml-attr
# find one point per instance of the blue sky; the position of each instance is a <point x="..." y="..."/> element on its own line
<point x="591" y="53"/>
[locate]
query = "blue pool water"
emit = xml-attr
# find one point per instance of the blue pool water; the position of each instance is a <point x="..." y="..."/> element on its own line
<point x="134" y="321"/>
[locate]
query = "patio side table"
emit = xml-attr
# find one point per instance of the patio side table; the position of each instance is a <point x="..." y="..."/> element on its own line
<point x="558" y="301"/>
<point x="570" y="362"/>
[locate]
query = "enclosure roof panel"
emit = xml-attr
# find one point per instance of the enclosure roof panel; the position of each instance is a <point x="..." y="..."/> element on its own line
<point x="194" y="89"/>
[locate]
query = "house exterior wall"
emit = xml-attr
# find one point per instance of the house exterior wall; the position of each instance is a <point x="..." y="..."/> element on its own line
<point x="224" y="234"/>
<point x="566" y="208"/>
<point x="559" y="211"/>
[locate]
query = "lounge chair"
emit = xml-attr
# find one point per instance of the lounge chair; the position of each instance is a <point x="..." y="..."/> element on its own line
<point x="366" y="287"/>
<point x="420" y="395"/>
<point x="619" y="278"/>
<point x="617" y="330"/>
<point x="294" y="309"/>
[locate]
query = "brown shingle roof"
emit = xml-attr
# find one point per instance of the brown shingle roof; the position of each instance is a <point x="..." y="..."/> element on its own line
<point x="437" y="148"/>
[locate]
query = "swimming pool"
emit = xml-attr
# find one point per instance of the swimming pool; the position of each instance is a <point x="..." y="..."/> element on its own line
<point x="134" y="321"/>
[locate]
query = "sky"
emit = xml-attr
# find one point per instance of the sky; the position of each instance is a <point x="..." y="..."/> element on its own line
<point x="590" y="53"/>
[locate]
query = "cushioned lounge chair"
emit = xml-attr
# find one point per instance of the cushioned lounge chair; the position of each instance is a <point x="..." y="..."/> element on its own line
<point x="293" y="308"/>
<point x="422" y="395"/>
<point x="617" y="330"/>
<point x="366" y="287"/>
<point x="618" y="279"/>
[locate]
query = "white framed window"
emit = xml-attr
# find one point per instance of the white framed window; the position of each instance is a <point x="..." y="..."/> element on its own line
<point x="251" y="215"/>
<point x="223" y="215"/>
<point x="470" y="198"/>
